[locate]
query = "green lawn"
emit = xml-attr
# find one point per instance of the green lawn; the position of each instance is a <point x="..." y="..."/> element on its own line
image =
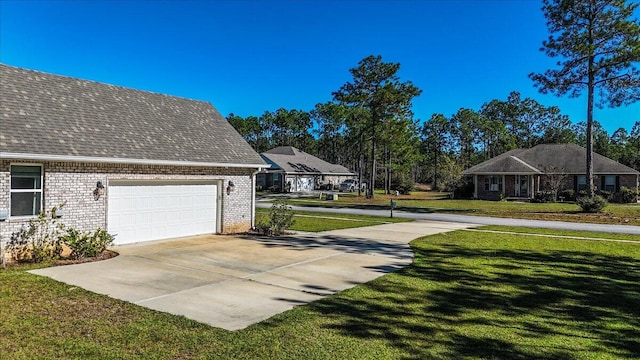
<point x="433" y="202"/>
<point x="467" y="295"/>
<point x="318" y="221"/>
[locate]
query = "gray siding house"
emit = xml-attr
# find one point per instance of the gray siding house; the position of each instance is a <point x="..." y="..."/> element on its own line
<point x="142" y="165"/>
<point x="295" y="170"/>
<point x="520" y="173"/>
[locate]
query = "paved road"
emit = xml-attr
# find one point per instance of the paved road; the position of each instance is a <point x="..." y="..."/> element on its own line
<point x="482" y="220"/>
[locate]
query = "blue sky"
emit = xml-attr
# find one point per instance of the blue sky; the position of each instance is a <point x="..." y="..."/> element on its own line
<point x="246" y="57"/>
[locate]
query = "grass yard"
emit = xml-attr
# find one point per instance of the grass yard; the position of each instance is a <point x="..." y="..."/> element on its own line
<point x="434" y="202"/>
<point x="467" y="295"/>
<point x="318" y="221"/>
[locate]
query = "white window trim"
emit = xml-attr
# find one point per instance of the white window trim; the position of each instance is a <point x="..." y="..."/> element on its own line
<point x="41" y="190"/>
<point x="497" y="185"/>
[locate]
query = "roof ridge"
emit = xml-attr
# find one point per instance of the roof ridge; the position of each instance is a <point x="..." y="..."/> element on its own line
<point x="525" y="164"/>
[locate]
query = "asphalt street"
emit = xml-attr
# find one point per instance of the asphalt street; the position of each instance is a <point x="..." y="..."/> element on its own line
<point x="481" y="220"/>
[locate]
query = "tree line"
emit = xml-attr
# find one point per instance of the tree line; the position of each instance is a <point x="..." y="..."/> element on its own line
<point x="369" y="128"/>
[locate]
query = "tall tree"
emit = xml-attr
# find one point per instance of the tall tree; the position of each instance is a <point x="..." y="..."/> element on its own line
<point x="330" y="125"/>
<point x="618" y="144"/>
<point x="436" y="134"/>
<point x="558" y="132"/>
<point x="598" y="43"/>
<point x="380" y="97"/>
<point x="465" y="130"/>
<point x="633" y="147"/>
<point x="494" y="134"/>
<point x="599" y="138"/>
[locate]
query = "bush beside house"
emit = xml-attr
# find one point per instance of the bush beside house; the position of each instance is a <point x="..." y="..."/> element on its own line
<point x="45" y="238"/>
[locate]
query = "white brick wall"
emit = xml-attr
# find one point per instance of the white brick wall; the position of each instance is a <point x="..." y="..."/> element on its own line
<point x="74" y="183"/>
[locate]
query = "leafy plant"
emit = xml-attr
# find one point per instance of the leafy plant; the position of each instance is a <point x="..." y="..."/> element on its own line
<point x="464" y="191"/>
<point x="404" y="185"/>
<point x="39" y="241"/>
<point x="592" y="204"/>
<point x="280" y="219"/>
<point x="626" y="195"/>
<point x="607" y="195"/>
<point x="451" y="175"/>
<point x="568" y="194"/>
<point x="548" y="196"/>
<point x="86" y="244"/>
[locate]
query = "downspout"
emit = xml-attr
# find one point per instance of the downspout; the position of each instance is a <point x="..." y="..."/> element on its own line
<point x="253" y="198"/>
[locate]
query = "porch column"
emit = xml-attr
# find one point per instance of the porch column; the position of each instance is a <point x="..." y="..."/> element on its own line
<point x="531" y="184"/>
<point x="475" y="186"/>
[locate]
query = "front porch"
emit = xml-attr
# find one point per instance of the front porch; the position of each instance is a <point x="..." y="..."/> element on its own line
<point x="514" y="187"/>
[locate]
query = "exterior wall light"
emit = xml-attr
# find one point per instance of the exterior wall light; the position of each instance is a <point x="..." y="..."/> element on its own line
<point x="99" y="190"/>
<point x="230" y="187"/>
<point x="4" y="214"/>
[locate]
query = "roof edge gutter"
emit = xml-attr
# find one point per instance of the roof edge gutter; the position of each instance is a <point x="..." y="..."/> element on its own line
<point x="101" y="160"/>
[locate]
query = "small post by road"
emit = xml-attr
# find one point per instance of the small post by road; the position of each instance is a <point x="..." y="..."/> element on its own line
<point x="392" y="205"/>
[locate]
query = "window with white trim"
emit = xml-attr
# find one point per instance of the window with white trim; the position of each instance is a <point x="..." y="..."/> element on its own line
<point x="26" y="190"/>
<point x="493" y="183"/>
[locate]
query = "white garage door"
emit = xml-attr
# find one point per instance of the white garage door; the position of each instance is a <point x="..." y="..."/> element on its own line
<point x="155" y="210"/>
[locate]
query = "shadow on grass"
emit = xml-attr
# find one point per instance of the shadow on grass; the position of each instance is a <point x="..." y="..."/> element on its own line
<point x="456" y="302"/>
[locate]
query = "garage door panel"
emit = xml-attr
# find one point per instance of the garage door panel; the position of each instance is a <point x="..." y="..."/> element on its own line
<point x="151" y="212"/>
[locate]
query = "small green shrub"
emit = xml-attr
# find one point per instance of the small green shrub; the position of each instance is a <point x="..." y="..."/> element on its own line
<point x="464" y="191"/>
<point x="568" y="194"/>
<point x="403" y="184"/>
<point x="86" y="244"/>
<point x="280" y="219"/>
<point x="591" y="204"/>
<point x="626" y="195"/>
<point x="39" y="241"/>
<point x="607" y="195"/>
<point x="544" y="197"/>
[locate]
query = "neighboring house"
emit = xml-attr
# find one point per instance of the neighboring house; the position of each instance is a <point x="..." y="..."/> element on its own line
<point x="295" y="170"/>
<point x="144" y="166"/>
<point x="520" y="173"/>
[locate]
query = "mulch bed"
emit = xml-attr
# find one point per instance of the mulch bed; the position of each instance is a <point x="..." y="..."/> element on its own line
<point x="107" y="254"/>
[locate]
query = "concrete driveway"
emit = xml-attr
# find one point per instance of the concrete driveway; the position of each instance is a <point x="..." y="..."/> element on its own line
<point x="232" y="282"/>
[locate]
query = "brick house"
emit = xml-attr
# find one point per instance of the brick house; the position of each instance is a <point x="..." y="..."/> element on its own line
<point x="303" y="171"/>
<point x="142" y="165"/>
<point x="520" y="173"/>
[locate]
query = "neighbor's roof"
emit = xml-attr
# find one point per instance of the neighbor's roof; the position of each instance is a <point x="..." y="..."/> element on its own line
<point x="564" y="158"/>
<point x="293" y="161"/>
<point x="51" y="117"/>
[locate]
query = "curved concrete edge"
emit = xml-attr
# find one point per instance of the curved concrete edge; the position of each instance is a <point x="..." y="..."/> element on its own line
<point x="234" y="282"/>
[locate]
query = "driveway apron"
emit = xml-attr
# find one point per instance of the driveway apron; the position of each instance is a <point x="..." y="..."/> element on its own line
<point x="232" y="282"/>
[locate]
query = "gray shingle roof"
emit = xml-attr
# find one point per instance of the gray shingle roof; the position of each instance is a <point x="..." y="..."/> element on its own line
<point x="566" y="158"/>
<point x="293" y="161"/>
<point x="48" y="114"/>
